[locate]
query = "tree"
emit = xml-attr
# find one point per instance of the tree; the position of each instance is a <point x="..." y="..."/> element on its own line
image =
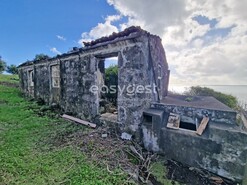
<point x="41" y="57"/>
<point x="2" y="65"/>
<point x="12" y="69"/>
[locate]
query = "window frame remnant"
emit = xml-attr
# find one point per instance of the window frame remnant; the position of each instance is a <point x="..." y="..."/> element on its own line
<point x="55" y="76"/>
<point x="31" y="78"/>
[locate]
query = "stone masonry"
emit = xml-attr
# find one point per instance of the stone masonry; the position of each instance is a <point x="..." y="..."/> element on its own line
<point x="141" y="62"/>
<point x="67" y="80"/>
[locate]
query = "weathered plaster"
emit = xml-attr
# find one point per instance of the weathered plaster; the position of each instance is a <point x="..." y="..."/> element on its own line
<point x="140" y="54"/>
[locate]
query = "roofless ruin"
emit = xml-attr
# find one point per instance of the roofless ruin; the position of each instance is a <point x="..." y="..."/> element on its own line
<point x="201" y="132"/>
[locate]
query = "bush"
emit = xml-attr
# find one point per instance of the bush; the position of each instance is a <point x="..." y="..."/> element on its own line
<point x="41" y="57"/>
<point x="2" y="65"/>
<point x="111" y="79"/>
<point x="12" y="69"/>
<point x="229" y="100"/>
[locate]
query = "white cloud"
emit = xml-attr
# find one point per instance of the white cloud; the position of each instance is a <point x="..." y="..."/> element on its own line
<point x="154" y="16"/>
<point x="194" y="54"/>
<point x="197" y="43"/>
<point x="102" y="29"/>
<point x="54" y="50"/>
<point x="61" y="37"/>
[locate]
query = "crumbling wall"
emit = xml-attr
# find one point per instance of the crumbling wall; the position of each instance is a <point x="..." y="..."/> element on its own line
<point x="139" y="53"/>
<point x="218" y="116"/>
<point x="221" y="149"/>
<point x="24" y="76"/>
<point x="135" y="72"/>
<point x="42" y="82"/>
<point x="77" y="76"/>
<point x="159" y="66"/>
<point x="55" y="82"/>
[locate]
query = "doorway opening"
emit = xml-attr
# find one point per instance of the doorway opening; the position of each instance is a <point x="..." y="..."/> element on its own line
<point x="108" y="84"/>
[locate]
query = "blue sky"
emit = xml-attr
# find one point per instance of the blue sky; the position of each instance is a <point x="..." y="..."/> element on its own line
<point x="205" y="41"/>
<point x="30" y="27"/>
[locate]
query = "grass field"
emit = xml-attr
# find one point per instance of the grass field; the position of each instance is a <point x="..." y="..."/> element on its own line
<point x="27" y="155"/>
<point x="9" y="78"/>
<point x="38" y="147"/>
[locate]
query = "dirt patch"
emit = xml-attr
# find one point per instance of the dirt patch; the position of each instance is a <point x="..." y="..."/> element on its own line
<point x="193" y="176"/>
<point x="104" y="148"/>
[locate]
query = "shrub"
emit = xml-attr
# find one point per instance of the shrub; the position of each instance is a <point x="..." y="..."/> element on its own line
<point x="12" y="69"/>
<point x="229" y="100"/>
<point x="111" y="78"/>
<point x="2" y="65"/>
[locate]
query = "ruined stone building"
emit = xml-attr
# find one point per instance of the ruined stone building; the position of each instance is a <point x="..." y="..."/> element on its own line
<point x="67" y="80"/>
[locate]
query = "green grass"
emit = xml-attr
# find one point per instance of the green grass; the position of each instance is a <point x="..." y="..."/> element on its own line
<point x="159" y="170"/>
<point x="27" y="152"/>
<point x="9" y="78"/>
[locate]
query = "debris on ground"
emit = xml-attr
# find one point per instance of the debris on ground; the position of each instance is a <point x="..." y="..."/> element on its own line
<point x="193" y="176"/>
<point x="126" y="136"/>
<point x="105" y="148"/>
<point x="86" y="123"/>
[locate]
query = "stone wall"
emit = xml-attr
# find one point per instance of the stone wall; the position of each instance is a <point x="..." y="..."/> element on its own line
<point x="77" y="76"/>
<point x="218" y="116"/>
<point x="158" y="62"/>
<point x="221" y="149"/>
<point x="141" y="62"/>
<point x="42" y="82"/>
<point x="24" y="75"/>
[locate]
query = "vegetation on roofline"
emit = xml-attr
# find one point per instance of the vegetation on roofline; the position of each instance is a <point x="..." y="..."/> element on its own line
<point x="41" y="57"/>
